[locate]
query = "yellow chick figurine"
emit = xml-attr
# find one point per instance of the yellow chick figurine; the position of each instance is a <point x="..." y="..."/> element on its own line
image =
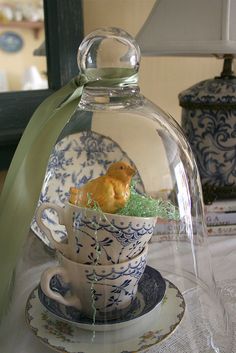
<point x="110" y="191"/>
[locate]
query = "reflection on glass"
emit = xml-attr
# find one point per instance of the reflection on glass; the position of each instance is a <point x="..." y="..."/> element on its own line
<point x="22" y="52"/>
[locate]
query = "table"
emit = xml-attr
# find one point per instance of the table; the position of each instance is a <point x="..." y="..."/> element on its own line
<point x="16" y="337"/>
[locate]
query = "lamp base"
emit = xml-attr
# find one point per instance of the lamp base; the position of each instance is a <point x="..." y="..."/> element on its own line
<point x="208" y="120"/>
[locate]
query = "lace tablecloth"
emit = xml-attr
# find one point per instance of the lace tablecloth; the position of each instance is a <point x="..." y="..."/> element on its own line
<point x="16" y="337"/>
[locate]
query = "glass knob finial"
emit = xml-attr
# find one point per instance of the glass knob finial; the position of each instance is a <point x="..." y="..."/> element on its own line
<point x="105" y="49"/>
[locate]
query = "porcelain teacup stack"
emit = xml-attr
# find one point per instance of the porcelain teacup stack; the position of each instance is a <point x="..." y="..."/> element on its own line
<point x="102" y="258"/>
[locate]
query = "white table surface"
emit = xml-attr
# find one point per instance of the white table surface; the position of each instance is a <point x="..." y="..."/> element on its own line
<point x="16" y="337"/>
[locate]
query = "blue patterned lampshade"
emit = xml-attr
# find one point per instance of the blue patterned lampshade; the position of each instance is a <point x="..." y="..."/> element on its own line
<point x="202" y="28"/>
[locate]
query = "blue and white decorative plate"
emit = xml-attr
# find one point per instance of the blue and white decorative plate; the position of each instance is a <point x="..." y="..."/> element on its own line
<point x="148" y="331"/>
<point x="151" y="291"/>
<point x="11" y="42"/>
<point x="75" y="160"/>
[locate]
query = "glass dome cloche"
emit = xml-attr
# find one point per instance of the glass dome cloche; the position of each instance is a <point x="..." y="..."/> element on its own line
<point x="121" y="215"/>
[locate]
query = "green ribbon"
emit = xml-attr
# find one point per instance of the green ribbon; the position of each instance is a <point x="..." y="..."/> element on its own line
<point x="23" y="183"/>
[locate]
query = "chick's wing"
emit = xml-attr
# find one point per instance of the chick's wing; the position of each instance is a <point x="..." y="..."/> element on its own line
<point x="100" y="191"/>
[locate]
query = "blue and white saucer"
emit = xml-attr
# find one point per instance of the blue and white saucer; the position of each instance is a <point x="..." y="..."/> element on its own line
<point x="75" y="160"/>
<point x="146" y="331"/>
<point x="151" y="291"/>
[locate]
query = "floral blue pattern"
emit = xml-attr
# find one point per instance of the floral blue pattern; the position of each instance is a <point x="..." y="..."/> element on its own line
<point x="127" y="288"/>
<point x="125" y="234"/>
<point x="212" y="137"/>
<point x="214" y="91"/>
<point x="132" y="236"/>
<point x="208" y="119"/>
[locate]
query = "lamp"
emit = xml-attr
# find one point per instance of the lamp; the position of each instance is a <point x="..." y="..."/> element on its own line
<point x="202" y="28"/>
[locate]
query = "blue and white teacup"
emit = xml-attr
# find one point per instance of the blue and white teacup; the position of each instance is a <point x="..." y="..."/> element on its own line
<point x="96" y="237"/>
<point x="100" y="292"/>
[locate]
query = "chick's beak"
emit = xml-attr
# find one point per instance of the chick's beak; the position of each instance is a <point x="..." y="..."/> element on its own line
<point x="131" y="171"/>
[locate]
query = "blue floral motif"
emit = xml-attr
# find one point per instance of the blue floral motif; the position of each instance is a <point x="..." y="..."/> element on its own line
<point x="214" y="91"/>
<point x="126" y="288"/>
<point x="124" y="234"/>
<point x="114" y="300"/>
<point x="135" y="271"/>
<point x="79" y="245"/>
<point x="92" y="259"/>
<point x="211" y="134"/>
<point x="44" y="197"/>
<point x="128" y="236"/>
<point x="58" y="163"/>
<point x="102" y="235"/>
<point x="208" y="119"/>
<point x="96" y="296"/>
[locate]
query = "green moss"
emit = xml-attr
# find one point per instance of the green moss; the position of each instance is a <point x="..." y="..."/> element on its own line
<point x="140" y="205"/>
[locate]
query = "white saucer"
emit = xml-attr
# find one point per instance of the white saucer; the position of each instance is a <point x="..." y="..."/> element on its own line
<point x="75" y="160"/>
<point x="146" y="332"/>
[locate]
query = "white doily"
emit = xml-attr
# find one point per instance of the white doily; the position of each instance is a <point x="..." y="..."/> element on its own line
<point x="185" y="340"/>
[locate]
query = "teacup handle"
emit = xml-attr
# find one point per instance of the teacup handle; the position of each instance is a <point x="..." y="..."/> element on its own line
<point x="64" y="248"/>
<point x="45" y="286"/>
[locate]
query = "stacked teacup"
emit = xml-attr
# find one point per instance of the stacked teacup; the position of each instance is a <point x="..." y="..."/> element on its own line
<point x="102" y="259"/>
